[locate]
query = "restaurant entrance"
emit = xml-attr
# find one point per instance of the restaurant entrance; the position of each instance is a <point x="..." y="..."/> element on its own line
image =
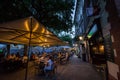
<point x="96" y="49"/>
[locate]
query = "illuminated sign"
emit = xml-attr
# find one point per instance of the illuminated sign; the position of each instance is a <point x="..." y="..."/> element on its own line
<point x="92" y="31"/>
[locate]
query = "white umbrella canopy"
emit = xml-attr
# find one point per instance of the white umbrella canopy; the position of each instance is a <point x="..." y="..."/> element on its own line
<point x="28" y="31"/>
<point x="64" y="47"/>
<point x="21" y="31"/>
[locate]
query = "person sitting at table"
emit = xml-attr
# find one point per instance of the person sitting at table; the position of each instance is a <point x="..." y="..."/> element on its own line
<point x="25" y="58"/>
<point x="8" y="57"/>
<point x="18" y="57"/>
<point x="48" y="66"/>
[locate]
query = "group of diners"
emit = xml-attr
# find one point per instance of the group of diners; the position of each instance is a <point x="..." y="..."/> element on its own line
<point x="48" y="62"/>
<point x="12" y="62"/>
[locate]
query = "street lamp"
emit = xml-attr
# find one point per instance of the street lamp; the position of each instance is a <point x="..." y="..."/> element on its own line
<point x="81" y="38"/>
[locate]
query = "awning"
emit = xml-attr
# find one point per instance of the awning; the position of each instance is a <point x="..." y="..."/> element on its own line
<point x="19" y="32"/>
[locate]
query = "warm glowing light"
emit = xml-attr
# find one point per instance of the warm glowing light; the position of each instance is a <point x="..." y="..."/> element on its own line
<point x="45" y="40"/>
<point x="101" y="48"/>
<point x="26" y="25"/>
<point x="44" y="46"/>
<point x="36" y="27"/>
<point x="32" y="36"/>
<point x="43" y="30"/>
<point x="47" y="34"/>
<point x="48" y="45"/>
<point x="94" y="48"/>
<point x="81" y="38"/>
<point x="41" y="39"/>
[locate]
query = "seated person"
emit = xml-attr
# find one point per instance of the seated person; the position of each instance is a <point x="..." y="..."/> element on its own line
<point x="48" y="64"/>
<point x="25" y="58"/>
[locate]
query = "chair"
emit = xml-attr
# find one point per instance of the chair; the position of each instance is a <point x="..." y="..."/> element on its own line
<point x="50" y="73"/>
<point x="36" y="67"/>
<point x="41" y="68"/>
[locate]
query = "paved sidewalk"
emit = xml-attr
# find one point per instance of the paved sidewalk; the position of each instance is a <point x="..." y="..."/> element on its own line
<point x="75" y="69"/>
<point x="78" y="70"/>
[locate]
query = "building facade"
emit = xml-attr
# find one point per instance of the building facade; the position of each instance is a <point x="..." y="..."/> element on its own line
<point x="99" y="25"/>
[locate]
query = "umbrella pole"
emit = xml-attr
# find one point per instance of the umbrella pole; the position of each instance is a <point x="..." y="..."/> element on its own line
<point x="26" y="72"/>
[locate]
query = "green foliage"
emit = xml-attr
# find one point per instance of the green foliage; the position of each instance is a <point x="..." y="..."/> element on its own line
<point x="66" y="38"/>
<point x="54" y="14"/>
<point x="12" y="10"/>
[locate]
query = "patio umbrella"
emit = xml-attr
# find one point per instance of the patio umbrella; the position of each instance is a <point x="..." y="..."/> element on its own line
<point x="21" y="31"/>
<point x="27" y="31"/>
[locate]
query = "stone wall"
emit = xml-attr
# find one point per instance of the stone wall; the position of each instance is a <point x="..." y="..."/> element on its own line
<point x="114" y="21"/>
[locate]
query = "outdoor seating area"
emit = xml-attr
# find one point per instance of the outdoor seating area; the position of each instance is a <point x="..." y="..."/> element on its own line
<point x="59" y="40"/>
<point x="62" y="72"/>
<point x="13" y="62"/>
<point x="28" y="36"/>
<point x="57" y="59"/>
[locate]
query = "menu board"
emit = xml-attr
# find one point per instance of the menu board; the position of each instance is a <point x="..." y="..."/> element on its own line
<point x="108" y="48"/>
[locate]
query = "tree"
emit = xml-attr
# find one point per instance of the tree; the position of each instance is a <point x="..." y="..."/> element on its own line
<point x="54" y="14"/>
<point x="12" y="10"/>
<point x="66" y="38"/>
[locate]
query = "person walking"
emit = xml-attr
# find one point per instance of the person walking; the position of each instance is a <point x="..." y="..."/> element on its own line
<point x="83" y="53"/>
